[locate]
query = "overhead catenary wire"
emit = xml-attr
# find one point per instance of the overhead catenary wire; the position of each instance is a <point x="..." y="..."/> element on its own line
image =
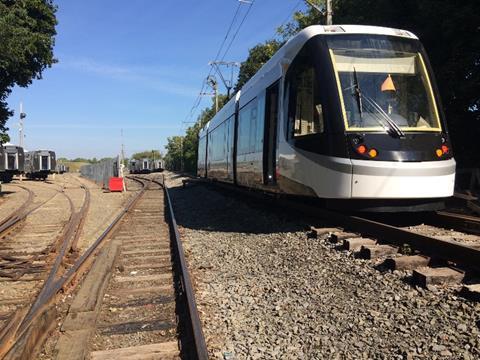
<point x="292" y="11"/>
<point x="198" y="99"/>
<point x="230" y="27"/>
<point x="238" y="29"/>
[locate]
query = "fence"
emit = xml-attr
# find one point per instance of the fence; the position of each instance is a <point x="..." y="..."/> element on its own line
<point x="101" y="172"/>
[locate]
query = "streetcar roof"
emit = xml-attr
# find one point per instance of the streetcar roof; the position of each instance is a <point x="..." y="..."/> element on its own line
<point x="274" y="68"/>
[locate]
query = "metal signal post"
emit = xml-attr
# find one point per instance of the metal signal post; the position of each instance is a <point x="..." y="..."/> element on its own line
<point x="21" y="126"/>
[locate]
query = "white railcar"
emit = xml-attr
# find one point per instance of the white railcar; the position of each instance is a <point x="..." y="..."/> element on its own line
<point x="347" y="114"/>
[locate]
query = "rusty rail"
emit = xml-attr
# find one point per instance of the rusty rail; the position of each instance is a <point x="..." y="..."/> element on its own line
<point x="195" y="325"/>
<point x="19" y="214"/>
<point x="467" y="223"/>
<point x="23" y="321"/>
<point x="461" y="254"/>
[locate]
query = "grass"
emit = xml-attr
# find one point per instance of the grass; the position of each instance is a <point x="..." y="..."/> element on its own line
<point x="74" y="166"/>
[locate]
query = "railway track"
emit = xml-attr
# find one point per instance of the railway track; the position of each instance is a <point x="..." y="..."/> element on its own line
<point x="461" y="222"/>
<point x="18" y="213"/>
<point x="138" y="272"/>
<point x="433" y="260"/>
<point x="35" y="255"/>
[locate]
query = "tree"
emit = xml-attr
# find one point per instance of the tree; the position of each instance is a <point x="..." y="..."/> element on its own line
<point x="182" y="150"/>
<point x="4" y="138"/>
<point x="27" y="31"/>
<point x="303" y="19"/>
<point x="173" y="158"/>
<point x="257" y="56"/>
<point x="450" y="32"/>
<point x="150" y="154"/>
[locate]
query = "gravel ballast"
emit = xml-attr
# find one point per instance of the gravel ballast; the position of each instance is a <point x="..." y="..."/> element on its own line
<point x="265" y="290"/>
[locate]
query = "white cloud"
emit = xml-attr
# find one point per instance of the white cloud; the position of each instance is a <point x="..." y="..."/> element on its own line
<point x="163" y="79"/>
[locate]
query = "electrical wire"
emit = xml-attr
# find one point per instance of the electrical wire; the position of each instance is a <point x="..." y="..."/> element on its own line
<point x="198" y="100"/>
<point x="290" y="14"/>
<point x="238" y="30"/>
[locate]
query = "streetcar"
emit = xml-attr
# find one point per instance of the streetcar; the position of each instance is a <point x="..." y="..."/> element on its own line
<point x="346" y="114"/>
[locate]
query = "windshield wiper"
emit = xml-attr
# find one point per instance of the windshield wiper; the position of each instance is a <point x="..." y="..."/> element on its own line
<point x="394" y="128"/>
<point x="389" y="125"/>
<point x="357" y="92"/>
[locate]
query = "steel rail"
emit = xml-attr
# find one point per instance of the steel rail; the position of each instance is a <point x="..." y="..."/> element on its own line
<point x="429" y="245"/>
<point x="444" y="249"/>
<point x="63" y="280"/>
<point x="44" y="300"/>
<point x="17" y="214"/>
<point x="464" y="222"/>
<point x="21" y="216"/>
<point x="201" y="351"/>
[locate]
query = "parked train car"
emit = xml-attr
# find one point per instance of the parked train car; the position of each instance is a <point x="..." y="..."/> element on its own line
<point x="131" y="166"/>
<point x="12" y="162"/>
<point x="39" y="164"/>
<point x="143" y="166"/>
<point x="157" y="165"/>
<point x="347" y="114"/>
<point x="61" y="168"/>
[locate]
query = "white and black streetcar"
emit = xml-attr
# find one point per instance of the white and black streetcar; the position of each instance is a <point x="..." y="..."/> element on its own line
<point x="347" y="114"/>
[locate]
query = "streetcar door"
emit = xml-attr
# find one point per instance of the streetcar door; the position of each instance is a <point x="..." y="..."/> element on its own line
<point x="270" y="135"/>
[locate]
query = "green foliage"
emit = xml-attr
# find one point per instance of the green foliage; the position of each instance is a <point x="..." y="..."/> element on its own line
<point x="4" y="138"/>
<point x="450" y="32"/>
<point x="27" y="30"/>
<point x="182" y="150"/>
<point x="257" y="56"/>
<point x="303" y="19"/>
<point x="150" y="154"/>
<point x="82" y="160"/>
<point x="173" y="158"/>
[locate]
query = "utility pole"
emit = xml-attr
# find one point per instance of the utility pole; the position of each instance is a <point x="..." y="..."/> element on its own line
<point x="214" y="84"/>
<point x="123" y="146"/>
<point x="227" y="83"/>
<point x="21" y="126"/>
<point x="181" y="157"/>
<point x="121" y="166"/>
<point x="329" y="12"/>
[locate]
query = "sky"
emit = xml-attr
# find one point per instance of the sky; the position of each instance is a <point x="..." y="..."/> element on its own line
<point x="134" y="65"/>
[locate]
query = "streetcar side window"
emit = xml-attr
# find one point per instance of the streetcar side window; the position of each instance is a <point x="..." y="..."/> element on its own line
<point x="247" y="128"/>
<point x="305" y="109"/>
<point x="217" y="143"/>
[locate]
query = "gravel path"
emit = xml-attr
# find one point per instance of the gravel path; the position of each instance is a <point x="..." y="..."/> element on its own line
<point x="267" y="291"/>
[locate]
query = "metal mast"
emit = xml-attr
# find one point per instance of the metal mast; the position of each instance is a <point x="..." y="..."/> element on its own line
<point x="228" y="83"/>
<point x="21" y="126"/>
<point x="214" y="84"/>
<point x="327" y="11"/>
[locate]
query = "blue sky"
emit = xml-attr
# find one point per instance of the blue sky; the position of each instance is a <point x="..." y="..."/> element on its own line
<point x="132" y="65"/>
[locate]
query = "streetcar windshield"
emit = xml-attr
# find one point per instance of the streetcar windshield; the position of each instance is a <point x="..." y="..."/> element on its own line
<point x="384" y="88"/>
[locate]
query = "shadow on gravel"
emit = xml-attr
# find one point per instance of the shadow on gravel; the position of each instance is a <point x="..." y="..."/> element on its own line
<point x="400" y="219"/>
<point x="204" y="207"/>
